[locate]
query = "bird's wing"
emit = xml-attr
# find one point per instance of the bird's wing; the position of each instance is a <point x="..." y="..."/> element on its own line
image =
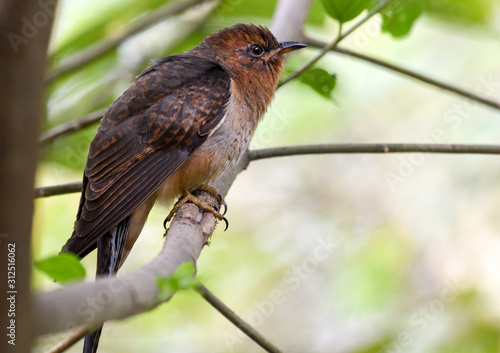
<point x="145" y="136"/>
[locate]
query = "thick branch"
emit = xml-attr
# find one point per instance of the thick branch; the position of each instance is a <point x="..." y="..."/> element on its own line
<point x="103" y="47"/>
<point x="315" y="43"/>
<point x="136" y="292"/>
<point x="130" y="294"/>
<point x="334" y="43"/>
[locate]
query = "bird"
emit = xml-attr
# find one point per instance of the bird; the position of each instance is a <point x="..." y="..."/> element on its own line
<point x="178" y="126"/>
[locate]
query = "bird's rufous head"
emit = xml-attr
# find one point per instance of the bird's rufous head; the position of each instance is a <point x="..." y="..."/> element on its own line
<point x="246" y="48"/>
<point x="250" y="54"/>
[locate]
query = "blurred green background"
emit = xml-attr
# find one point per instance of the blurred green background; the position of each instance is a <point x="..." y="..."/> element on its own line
<point x="330" y="253"/>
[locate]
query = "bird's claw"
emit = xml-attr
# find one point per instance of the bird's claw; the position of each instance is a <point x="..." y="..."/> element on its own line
<point x="220" y="215"/>
<point x="223" y="203"/>
<point x="219" y="197"/>
<point x="214" y="209"/>
<point x="225" y="221"/>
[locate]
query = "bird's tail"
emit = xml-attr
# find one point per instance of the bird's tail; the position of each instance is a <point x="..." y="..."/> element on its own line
<point x="109" y="255"/>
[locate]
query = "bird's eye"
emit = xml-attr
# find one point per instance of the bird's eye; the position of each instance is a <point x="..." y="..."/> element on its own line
<point x="255" y="50"/>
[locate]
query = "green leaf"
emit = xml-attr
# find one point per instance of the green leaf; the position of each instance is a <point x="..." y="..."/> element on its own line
<point x="320" y="80"/>
<point x="182" y="278"/>
<point x="345" y="10"/>
<point x="399" y="16"/>
<point x="62" y="268"/>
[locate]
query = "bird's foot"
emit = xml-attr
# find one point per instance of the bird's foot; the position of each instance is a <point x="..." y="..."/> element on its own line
<point x="190" y="197"/>
<point x="215" y="193"/>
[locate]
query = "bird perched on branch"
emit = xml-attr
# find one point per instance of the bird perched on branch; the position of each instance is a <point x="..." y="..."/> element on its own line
<point x="175" y="130"/>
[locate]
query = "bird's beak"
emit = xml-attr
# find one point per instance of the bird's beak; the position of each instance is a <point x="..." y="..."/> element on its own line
<point x="286" y="47"/>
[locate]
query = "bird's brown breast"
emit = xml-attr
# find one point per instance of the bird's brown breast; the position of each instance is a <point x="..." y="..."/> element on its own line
<point x="226" y="143"/>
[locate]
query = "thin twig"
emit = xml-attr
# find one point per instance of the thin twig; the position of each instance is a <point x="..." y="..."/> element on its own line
<point x="71" y="339"/>
<point x="236" y="320"/>
<point x="71" y="126"/>
<point x="315" y="43"/>
<point x="104" y="46"/>
<point x="372" y="148"/>
<point x="61" y="189"/>
<point x="334" y="43"/>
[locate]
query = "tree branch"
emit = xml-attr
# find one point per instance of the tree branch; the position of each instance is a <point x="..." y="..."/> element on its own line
<point x="133" y="293"/>
<point x="188" y="223"/>
<point x="496" y="105"/>
<point x="60" y="189"/>
<point x="71" y="339"/>
<point x="104" y="46"/>
<point x="372" y="148"/>
<point x="71" y="126"/>
<point x="334" y="43"/>
<point x="236" y="320"/>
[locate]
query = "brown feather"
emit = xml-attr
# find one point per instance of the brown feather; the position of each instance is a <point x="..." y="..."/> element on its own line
<point x="144" y="138"/>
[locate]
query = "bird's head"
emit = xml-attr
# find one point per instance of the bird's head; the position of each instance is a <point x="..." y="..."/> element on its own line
<point x="250" y="54"/>
<point x="247" y="50"/>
